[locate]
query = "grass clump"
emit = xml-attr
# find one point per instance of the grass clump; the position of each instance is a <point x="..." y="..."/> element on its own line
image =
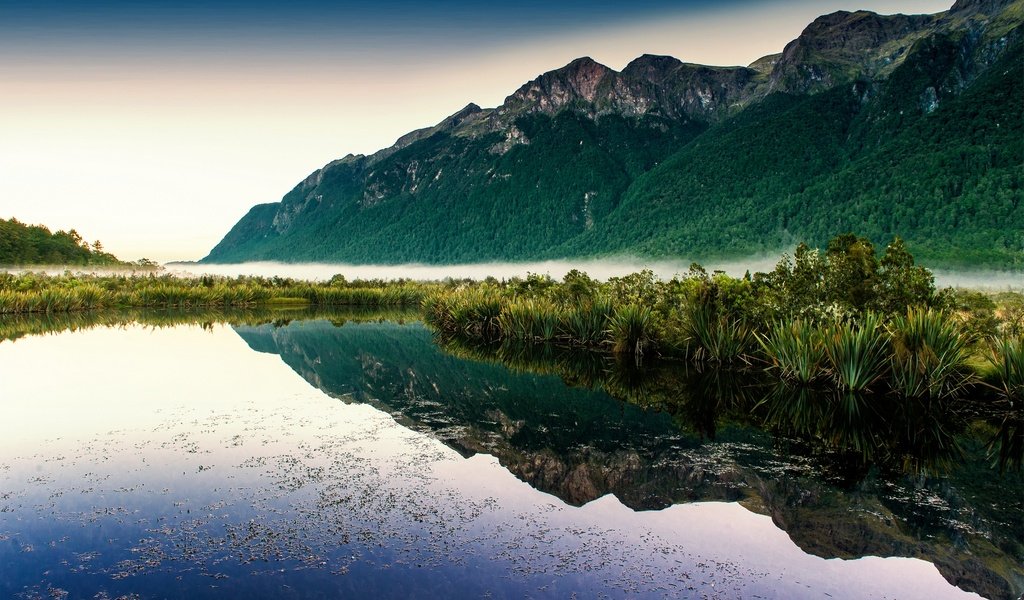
<point x="796" y="350"/>
<point x="856" y="353"/>
<point x="928" y="355"/>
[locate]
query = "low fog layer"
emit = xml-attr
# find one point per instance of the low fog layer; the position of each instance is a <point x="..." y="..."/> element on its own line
<point x="598" y="269"/>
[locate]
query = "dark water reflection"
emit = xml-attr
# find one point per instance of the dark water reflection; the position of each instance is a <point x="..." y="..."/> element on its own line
<point x="843" y="476"/>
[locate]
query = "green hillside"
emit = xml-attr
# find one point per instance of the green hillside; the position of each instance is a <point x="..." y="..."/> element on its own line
<point x="805" y="167"/>
<point x="22" y="244"/>
<point x="884" y="125"/>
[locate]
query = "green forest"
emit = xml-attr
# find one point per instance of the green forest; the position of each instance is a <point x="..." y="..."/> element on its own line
<point x="933" y="153"/>
<point x="23" y="245"/>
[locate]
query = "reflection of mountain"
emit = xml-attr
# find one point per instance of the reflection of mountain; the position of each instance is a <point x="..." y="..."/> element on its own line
<point x="580" y="444"/>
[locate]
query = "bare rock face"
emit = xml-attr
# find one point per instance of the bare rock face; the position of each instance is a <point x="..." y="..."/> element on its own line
<point x="579" y="82"/>
<point x="843" y="46"/>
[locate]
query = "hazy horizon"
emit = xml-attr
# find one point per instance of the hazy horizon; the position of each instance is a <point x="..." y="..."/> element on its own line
<point x="600" y="269"/>
<point x="154" y="128"/>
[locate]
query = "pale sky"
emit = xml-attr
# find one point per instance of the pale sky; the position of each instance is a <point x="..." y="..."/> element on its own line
<point x="155" y="129"/>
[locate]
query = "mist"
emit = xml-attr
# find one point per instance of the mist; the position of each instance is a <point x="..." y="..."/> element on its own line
<point x="597" y="269"/>
<point x="600" y="269"/>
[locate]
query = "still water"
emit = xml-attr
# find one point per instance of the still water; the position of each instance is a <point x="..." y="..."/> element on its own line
<point x="340" y="457"/>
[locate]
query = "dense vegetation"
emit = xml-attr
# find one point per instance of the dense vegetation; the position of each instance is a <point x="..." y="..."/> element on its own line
<point x="22" y="244"/>
<point x="931" y="151"/>
<point x="450" y="199"/>
<point x="843" y="318"/>
<point x="950" y="181"/>
<point x="39" y="293"/>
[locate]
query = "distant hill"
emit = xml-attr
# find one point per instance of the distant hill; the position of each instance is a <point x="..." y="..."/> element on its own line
<point x="22" y="245"/>
<point x="883" y="125"/>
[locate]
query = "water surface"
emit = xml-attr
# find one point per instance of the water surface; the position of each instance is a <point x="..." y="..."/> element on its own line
<point x="322" y="458"/>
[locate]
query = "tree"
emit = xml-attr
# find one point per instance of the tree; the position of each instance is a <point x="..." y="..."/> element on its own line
<point x="901" y="283"/>
<point x="852" y="271"/>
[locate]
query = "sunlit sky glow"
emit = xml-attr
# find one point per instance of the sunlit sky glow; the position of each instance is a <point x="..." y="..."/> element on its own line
<point x="154" y="126"/>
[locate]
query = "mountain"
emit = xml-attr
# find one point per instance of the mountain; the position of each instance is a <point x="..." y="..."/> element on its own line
<point x="880" y="124"/>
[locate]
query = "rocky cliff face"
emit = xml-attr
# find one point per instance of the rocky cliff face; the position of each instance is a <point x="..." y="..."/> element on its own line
<point x="649" y="85"/>
<point x="844" y="46"/>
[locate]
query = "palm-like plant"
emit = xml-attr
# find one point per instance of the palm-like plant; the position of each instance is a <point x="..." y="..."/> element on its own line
<point x="929" y="355"/>
<point x="856" y="353"/>
<point x="796" y="350"/>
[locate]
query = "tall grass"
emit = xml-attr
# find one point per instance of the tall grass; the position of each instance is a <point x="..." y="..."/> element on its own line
<point x="928" y="355"/>
<point x="796" y="350"/>
<point x="587" y="324"/>
<point x="36" y="293"/>
<point x="1007" y="358"/>
<point x="857" y="353"/>
<point x="717" y="337"/>
<point x="530" y="319"/>
<point x="630" y="329"/>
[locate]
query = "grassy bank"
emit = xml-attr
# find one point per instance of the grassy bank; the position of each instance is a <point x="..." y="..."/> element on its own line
<point x="38" y="293"/>
<point x="842" y="319"/>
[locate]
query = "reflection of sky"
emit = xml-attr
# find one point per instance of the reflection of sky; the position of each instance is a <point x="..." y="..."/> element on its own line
<point x="154" y="126"/>
<point x="173" y="443"/>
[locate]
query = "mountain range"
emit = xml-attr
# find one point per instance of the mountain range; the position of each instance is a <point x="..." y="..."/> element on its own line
<point x="885" y="125"/>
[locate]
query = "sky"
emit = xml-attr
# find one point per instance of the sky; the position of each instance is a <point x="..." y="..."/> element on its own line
<point x="154" y="126"/>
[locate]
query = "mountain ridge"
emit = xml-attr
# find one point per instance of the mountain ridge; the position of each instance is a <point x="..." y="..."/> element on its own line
<point x="560" y="155"/>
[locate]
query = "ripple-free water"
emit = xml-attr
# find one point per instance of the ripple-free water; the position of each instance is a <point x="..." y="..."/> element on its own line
<point x="180" y="463"/>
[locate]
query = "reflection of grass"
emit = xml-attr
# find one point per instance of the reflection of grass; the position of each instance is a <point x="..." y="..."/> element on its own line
<point x="917" y="435"/>
<point x="16" y="326"/>
<point x="37" y="293"/>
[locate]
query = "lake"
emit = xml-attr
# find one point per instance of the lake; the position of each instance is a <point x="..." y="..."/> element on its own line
<point x="297" y="454"/>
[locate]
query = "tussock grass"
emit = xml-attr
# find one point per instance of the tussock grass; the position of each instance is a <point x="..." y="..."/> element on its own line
<point x="795" y="350"/>
<point x="857" y="353"/>
<point x="928" y="355"/>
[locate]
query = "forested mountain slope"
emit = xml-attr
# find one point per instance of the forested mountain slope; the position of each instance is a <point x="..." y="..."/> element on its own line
<point x="884" y="125"/>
